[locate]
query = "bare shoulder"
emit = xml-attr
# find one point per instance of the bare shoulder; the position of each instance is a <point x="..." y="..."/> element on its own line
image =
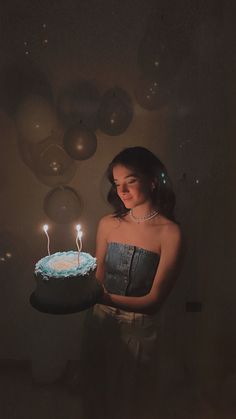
<point x="171" y="229"/>
<point x="108" y="222"/>
<point x="171" y="234"/>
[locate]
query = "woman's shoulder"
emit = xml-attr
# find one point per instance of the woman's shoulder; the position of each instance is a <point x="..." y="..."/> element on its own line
<point x="108" y="220"/>
<point x="171" y="237"/>
<point x="169" y="228"/>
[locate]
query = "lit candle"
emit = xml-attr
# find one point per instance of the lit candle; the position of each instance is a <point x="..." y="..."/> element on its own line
<point x="79" y="238"/>
<point x="45" y="228"/>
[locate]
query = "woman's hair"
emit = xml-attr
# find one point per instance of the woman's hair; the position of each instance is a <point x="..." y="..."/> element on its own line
<point x="145" y="164"/>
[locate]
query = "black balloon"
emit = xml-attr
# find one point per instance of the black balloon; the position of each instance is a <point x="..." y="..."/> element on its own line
<point x="48" y="160"/>
<point x="14" y="253"/>
<point x="116" y="111"/>
<point x="35" y="119"/>
<point x="59" y="180"/>
<point x="155" y="59"/>
<point x="52" y="161"/>
<point x="17" y="81"/>
<point x="79" y="142"/>
<point x="152" y="94"/>
<point x="79" y="103"/>
<point x="62" y="205"/>
<point x="7" y="250"/>
<point x="167" y="41"/>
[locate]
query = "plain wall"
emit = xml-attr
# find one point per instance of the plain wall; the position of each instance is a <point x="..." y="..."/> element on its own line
<point x="198" y="344"/>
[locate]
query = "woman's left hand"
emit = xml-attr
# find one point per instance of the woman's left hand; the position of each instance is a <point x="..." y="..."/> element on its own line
<point x="105" y="296"/>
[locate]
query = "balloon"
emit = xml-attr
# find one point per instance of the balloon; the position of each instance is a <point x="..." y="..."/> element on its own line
<point x="52" y="161"/>
<point x="79" y="142"/>
<point x="155" y="59"/>
<point x="14" y="253"/>
<point x="116" y="111"/>
<point x="19" y="81"/>
<point x="79" y="103"/>
<point x="35" y="119"/>
<point x="6" y="255"/>
<point x="62" y="205"/>
<point x="48" y="160"/>
<point x="59" y="180"/>
<point x="152" y="94"/>
<point x="166" y="43"/>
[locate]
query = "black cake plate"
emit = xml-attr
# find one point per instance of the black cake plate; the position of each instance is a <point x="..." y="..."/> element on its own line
<point x="64" y="309"/>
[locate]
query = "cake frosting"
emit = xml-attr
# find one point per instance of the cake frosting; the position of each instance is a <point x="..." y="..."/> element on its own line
<point x="66" y="283"/>
<point x="65" y="264"/>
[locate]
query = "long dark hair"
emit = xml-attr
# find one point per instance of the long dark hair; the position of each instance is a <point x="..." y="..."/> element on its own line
<point x="147" y="165"/>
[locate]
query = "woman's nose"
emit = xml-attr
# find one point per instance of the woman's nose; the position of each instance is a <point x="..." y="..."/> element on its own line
<point x="124" y="188"/>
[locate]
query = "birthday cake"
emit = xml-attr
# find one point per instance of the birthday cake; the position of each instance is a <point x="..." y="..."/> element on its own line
<point x="65" y="282"/>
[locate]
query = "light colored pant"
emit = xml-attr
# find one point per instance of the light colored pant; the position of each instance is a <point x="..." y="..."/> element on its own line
<point x="120" y="350"/>
<point x="138" y="332"/>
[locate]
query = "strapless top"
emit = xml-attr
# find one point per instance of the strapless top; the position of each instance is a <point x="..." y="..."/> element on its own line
<point x="129" y="270"/>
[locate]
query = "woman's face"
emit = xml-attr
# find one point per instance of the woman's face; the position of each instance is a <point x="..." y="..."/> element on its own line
<point x="132" y="189"/>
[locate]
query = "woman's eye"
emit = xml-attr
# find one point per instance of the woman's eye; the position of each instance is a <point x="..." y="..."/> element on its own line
<point x="117" y="185"/>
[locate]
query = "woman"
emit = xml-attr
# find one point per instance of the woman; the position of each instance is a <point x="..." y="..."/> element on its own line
<point x="138" y="253"/>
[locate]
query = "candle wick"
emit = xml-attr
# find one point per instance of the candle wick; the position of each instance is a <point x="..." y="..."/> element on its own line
<point x="78" y="240"/>
<point x="78" y="247"/>
<point x="48" y="243"/>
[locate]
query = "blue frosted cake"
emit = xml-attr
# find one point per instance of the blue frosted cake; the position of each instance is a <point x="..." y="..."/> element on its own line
<point x="64" y="282"/>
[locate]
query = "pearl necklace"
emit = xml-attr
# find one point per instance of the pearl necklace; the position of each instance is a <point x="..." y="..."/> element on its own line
<point x="142" y="219"/>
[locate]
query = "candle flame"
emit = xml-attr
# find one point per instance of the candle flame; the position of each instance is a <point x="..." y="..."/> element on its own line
<point x="78" y="227"/>
<point x="45" y="227"/>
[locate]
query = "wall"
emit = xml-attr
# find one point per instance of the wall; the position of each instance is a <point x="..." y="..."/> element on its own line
<point x="188" y="133"/>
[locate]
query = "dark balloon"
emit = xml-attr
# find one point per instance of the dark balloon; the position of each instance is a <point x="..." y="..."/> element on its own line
<point x="6" y="254"/>
<point x="155" y="59"/>
<point x="48" y="160"/>
<point x="167" y="41"/>
<point x="62" y="205"/>
<point x="152" y="94"/>
<point x="35" y="119"/>
<point x="79" y="103"/>
<point x="79" y="142"/>
<point x="116" y="111"/>
<point x="59" y="180"/>
<point x="14" y="253"/>
<point x="18" y="81"/>
<point x="52" y="161"/>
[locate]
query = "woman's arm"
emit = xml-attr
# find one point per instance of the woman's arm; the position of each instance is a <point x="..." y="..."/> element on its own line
<point x="104" y="227"/>
<point x="166" y="275"/>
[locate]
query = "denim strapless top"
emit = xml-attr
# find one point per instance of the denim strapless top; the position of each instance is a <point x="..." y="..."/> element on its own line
<point x="129" y="270"/>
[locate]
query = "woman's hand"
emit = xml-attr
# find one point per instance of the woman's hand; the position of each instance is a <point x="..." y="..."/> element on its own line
<point x="104" y="298"/>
